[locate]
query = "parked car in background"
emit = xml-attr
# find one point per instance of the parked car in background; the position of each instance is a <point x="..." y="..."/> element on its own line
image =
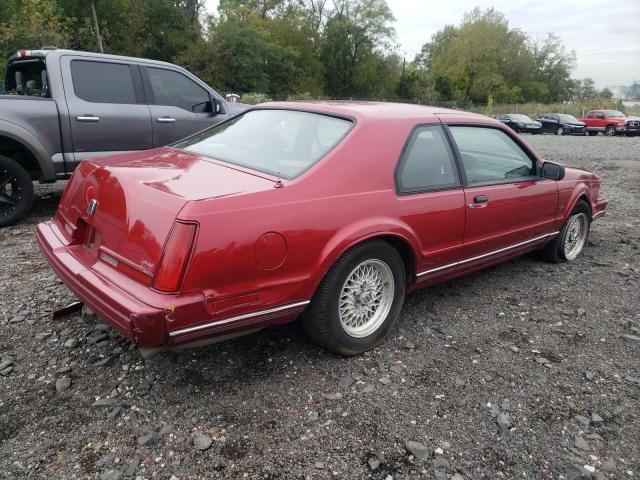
<point x="60" y="107"/>
<point x="332" y="210"/>
<point x="610" y="123"/>
<point x="562" y="124"/>
<point x="520" y="123"/>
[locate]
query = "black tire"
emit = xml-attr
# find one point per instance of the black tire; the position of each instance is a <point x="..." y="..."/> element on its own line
<point x="16" y="191"/>
<point x="554" y="250"/>
<point x="610" y="131"/>
<point x="592" y="134"/>
<point x="322" y="320"/>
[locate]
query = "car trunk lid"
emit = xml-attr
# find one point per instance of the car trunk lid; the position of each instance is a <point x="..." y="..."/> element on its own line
<point x="120" y="210"/>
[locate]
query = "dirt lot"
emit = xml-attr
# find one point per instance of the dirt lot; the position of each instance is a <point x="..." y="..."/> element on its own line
<point x="526" y="370"/>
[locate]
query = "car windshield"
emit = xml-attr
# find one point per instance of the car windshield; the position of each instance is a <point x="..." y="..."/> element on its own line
<point x="568" y="118"/>
<point x="283" y="143"/>
<point x="615" y="114"/>
<point x="520" y="118"/>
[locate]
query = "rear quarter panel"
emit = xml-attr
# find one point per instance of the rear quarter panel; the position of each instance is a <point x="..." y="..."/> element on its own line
<point x="320" y="214"/>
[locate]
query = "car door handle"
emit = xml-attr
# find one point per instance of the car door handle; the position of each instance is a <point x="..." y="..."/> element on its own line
<point x="88" y="118"/>
<point x="479" y="201"/>
<point x="165" y="120"/>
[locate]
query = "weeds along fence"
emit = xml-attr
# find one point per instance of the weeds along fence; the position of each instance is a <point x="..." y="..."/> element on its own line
<point x="577" y="109"/>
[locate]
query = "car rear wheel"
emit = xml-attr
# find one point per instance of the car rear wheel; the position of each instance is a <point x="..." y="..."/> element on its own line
<point x="610" y="131"/>
<point x="16" y="191"/>
<point x="568" y="244"/>
<point x="359" y="299"/>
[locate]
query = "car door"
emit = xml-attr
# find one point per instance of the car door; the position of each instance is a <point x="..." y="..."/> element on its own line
<point x="107" y="110"/>
<point x="179" y="105"/>
<point x="550" y="123"/>
<point x="431" y="199"/>
<point x="509" y="206"/>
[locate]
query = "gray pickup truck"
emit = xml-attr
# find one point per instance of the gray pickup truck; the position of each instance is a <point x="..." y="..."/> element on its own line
<point x="59" y="107"/>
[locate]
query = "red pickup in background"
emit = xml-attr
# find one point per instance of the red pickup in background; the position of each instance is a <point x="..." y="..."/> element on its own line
<point x="610" y="123"/>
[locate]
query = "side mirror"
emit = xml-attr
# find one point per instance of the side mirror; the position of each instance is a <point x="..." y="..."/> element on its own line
<point x="552" y="171"/>
<point x="218" y="106"/>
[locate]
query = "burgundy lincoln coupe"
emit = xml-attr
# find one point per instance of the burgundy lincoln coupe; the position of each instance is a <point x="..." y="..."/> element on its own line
<point x="329" y="210"/>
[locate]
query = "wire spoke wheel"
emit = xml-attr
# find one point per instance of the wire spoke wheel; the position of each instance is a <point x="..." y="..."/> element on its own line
<point x="575" y="235"/>
<point x="366" y="298"/>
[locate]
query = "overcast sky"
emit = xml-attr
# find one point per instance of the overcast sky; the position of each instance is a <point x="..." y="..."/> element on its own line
<point x="604" y="34"/>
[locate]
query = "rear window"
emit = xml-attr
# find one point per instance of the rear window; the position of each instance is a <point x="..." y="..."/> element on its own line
<point x="283" y="143"/>
<point x="101" y="82"/>
<point x="27" y="77"/>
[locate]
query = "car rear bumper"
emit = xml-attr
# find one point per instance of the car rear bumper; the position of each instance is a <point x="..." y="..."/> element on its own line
<point x="160" y="320"/>
<point x="599" y="208"/>
<point x="132" y="318"/>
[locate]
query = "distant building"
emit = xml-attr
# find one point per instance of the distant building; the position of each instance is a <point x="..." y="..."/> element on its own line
<point x="232" y="97"/>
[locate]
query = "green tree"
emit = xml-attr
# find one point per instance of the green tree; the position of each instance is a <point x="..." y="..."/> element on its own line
<point x="356" y="37"/>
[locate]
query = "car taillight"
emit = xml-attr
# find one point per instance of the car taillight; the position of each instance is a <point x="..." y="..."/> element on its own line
<point x="175" y="257"/>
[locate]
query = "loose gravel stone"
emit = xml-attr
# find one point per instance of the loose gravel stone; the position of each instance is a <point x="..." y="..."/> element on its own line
<point x="202" y="441"/>
<point x="62" y="384"/>
<point x="104" y="403"/>
<point x="418" y="450"/>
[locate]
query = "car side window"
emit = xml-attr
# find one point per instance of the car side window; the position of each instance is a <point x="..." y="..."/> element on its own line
<point x="102" y="82"/>
<point x="175" y="89"/>
<point x="427" y="162"/>
<point x="600" y="115"/>
<point x="591" y="115"/>
<point x="490" y="155"/>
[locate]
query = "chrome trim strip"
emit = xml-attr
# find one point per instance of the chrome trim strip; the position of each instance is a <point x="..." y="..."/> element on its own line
<point x="195" y="328"/>
<point x="488" y="254"/>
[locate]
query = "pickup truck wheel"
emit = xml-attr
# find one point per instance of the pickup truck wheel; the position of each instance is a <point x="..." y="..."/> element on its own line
<point x="610" y="131"/>
<point x="16" y="191"/>
<point x="359" y="299"/>
<point x="568" y="244"/>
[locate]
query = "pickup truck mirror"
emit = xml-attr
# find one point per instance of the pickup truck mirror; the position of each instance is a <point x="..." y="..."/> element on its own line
<point x="218" y="106"/>
<point x="552" y="171"/>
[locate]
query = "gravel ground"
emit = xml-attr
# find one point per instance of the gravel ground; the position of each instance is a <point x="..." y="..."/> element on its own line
<point x="526" y="370"/>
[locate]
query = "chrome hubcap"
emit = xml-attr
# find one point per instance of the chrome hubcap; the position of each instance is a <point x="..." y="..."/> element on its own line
<point x="366" y="298"/>
<point x="575" y="235"/>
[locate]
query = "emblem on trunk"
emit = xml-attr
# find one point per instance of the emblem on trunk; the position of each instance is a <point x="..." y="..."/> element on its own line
<point x="91" y="206"/>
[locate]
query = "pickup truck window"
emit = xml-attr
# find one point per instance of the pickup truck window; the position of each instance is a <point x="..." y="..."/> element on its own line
<point x="102" y="82"/>
<point x="599" y="115"/>
<point x="27" y="77"/>
<point x="174" y="89"/>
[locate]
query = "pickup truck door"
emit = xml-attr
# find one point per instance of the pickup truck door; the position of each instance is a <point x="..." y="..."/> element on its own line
<point x="179" y="105"/>
<point x="509" y="207"/>
<point x="107" y="110"/>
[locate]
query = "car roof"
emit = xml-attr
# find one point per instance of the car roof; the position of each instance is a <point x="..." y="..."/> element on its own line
<point x="59" y="52"/>
<point x="365" y="110"/>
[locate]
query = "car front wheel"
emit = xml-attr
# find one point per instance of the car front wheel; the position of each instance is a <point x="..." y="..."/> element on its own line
<point x="568" y="244"/>
<point x="359" y="300"/>
<point x="16" y="191"/>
